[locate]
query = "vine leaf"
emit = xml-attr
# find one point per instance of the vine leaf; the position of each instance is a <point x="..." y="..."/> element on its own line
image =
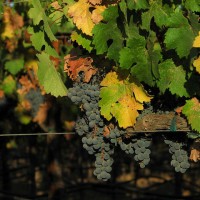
<point x="196" y="42"/>
<point x="83" y="17"/>
<point x="156" y="11"/>
<point x="38" y="40"/>
<point x="37" y="14"/>
<point x="195" y="150"/>
<point x="73" y="66"/>
<point x="196" y="64"/>
<point x="142" y="61"/>
<point x="103" y="33"/>
<point x="169" y="79"/>
<point x="49" y="78"/>
<point x="13" y="22"/>
<point x="192" y="112"/>
<point x="26" y="85"/>
<point x="122" y="99"/>
<point x="81" y="40"/>
<point x="9" y="85"/>
<point x="14" y="66"/>
<point x="193" y="5"/>
<point x="97" y="14"/>
<point x="42" y="113"/>
<point x="137" y="5"/>
<point x="57" y="13"/>
<point x="179" y="30"/>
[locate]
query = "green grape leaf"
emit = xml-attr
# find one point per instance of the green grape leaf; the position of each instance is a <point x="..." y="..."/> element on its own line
<point x="9" y="85"/>
<point x="143" y="62"/>
<point x="156" y="11"/>
<point x="179" y="35"/>
<point x="56" y="13"/>
<point x="49" y="78"/>
<point x="137" y="5"/>
<point x="192" y="112"/>
<point x="39" y="41"/>
<point x="82" y="40"/>
<point x="14" y="66"/>
<point x="108" y="32"/>
<point x="193" y="5"/>
<point x="37" y="14"/>
<point x="172" y="78"/>
<point x="121" y="99"/>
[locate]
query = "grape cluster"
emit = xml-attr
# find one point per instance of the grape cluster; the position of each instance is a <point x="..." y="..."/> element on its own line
<point x="104" y="162"/>
<point x="139" y="147"/>
<point x="93" y="142"/>
<point x="90" y="127"/>
<point x="115" y="135"/>
<point x="179" y="156"/>
<point x="35" y="97"/>
<point x="142" y="151"/>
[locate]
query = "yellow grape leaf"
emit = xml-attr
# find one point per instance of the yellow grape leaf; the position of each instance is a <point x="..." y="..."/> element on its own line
<point x="13" y="22"/>
<point x="196" y="42"/>
<point x="111" y="78"/>
<point x="196" y="64"/>
<point x="82" y="16"/>
<point x="122" y="98"/>
<point x="139" y="92"/>
<point x="32" y="65"/>
<point x="96" y="14"/>
<point x="126" y="111"/>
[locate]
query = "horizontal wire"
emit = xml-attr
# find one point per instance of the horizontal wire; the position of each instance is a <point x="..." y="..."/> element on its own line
<point x="37" y="134"/>
<point x="72" y="133"/>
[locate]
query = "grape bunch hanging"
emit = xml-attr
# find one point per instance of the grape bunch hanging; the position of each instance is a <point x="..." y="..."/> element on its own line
<point x="91" y="126"/>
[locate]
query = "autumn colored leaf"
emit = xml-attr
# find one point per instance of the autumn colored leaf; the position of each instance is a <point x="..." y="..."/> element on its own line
<point x="75" y="65"/>
<point x="192" y="112"/>
<point x="179" y="110"/>
<point x="195" y="151"/>
<point x="42" y="113"/>
<point x="195" y="155"/>
<point x="196" y="42"/>
<point x="12" y="22"/>
<point x="2" y="94"/>
<point x="25" y="104"/>
<point x="126" y="111"/>
<point x="26" y="85"/>
<point x="96" y="14"/>
<point x="32" y="65"/>
<point x="196" y="64"/>
<point x="83" y="17"/>
<point x="122" y="98"/>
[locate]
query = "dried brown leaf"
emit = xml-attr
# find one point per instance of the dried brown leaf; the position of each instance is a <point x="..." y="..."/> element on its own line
<point x="73" y="66"/>
<point x="195" y="155"/>
<point x="42" y="113"/>
<point x="2" y="94"/>
<point x="26" y="85"/>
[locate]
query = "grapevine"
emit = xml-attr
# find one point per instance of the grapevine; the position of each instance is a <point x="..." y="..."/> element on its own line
<point x="124" y="59"/>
